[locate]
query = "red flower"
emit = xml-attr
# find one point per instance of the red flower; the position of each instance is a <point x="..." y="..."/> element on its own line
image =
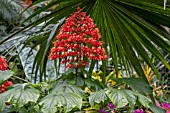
<point x="3" y="67"/>
<point x="78" y="40"/>
<point x="8" y="83"/>
<point x="3" y="64"/>
<point x="4" y="86"/>
<point x="28" y="2"/>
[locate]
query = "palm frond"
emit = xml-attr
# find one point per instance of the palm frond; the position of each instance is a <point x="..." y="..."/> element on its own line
<point x="131" y="28"/>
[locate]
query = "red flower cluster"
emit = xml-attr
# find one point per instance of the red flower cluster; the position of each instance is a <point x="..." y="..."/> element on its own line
<point x="4" y="86"/>
<point x="78" y="41"/>
<point x="3" y="67"/>
<point x="3" y="64"/>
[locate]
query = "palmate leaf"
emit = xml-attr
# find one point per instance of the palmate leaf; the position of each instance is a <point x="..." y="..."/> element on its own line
<point x="67" y="88"/>
<point x="119" y="97"/>
<point x="97" y="97"/>
<point x="5" y="75"/>
<point x="144" y="100"/>
<point x="19" y="95"/>
<point x="51" y="102"/>
<point x="63" y="95"/>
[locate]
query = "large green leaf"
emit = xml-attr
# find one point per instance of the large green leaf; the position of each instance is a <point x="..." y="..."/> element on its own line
<point x="138" y="85"/>
<point x="97" y="97"/>
<point x="5" y="75"/>
<point x="144" y="100"/>
<point x="156" y="109"/>
<point x="67" y="88"/>
<point x="19" y="95"/>
<point x="51" y="102"/>
<point x="121" y="97"/>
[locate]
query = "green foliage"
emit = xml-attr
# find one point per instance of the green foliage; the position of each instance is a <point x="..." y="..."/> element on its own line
<point x="132" y="29"/>
<point x="155" y="109"/>
<point x="67" y="88"/>
<point x="128" y="27"/>
<point x="5" y="75"/>
<point x="138" y="85"/>
<point x="9" y="10"/>
<point x="67" y="100"/>
<point x="61" y="95"/>
<point x="119" y="97"/>
<point x="19" y="95"/>
<point x="97" y="97"/>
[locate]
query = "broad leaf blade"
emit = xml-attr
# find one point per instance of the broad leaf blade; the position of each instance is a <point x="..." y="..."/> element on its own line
<point x="138" y="85"/>
<point x="156" y="109"/>
<point x="144" y="100"/>
<point x="5" y="75"/>
<point x="19" y="95"/>
<point x="97" y="97"/>
<point x="67" y="88"/>
<point x="121" y="98"/>
<point x="51" y="102"/>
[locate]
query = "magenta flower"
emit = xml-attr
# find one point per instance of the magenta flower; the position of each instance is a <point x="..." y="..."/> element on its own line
<point x="165" y="104"/>
<point x="138" y="111"/>
<point x="110" y="105"/>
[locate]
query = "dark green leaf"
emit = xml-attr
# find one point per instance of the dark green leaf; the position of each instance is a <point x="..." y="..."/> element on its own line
<point x="138" y="85"/>
<point x="156" y="109"/>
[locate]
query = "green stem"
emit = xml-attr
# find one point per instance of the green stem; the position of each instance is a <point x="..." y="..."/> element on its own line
<point x="21" y="79"/>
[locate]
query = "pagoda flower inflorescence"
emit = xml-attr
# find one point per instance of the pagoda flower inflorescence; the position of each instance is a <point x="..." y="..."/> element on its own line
<point x="3" y="67"/>
<point x="78" y="42"/>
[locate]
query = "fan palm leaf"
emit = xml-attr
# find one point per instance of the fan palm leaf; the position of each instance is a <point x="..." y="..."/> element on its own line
<point x="133" y="29"/>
